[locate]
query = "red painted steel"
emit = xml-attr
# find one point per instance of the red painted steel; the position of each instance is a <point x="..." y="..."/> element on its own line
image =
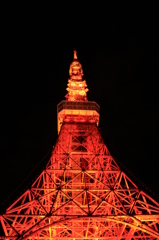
<point x="82" y="194"/>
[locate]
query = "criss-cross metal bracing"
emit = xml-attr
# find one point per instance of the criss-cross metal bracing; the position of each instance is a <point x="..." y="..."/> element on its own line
<point x="82" y="194"/>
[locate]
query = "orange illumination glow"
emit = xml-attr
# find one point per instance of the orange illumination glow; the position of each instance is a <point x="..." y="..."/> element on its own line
<point x="75" y="54"/>
<point x="77" y="87"/>
<point x="81" y="193"/>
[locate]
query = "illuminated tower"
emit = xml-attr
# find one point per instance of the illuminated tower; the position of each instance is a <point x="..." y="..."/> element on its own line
<point x="82" y="193"/>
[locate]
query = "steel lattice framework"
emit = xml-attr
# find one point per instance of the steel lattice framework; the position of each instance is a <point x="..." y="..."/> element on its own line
<point x="82" y="194"/>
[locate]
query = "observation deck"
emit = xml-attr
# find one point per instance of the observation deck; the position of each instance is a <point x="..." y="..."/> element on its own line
<point x="77" y="111"/>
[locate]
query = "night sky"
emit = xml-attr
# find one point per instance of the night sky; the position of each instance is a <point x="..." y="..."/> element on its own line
<point x="118" y="47"/>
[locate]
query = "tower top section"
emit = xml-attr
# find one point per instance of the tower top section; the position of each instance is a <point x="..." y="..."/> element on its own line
<point x="76" y="108"/>
<point x="75" y="54"/>
<point x="76" y="87"/>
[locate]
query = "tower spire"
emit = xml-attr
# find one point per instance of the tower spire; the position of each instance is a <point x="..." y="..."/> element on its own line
<point x="76" y="108"/>
<point x="77" y="87"/>
<point x="75" y="54"/>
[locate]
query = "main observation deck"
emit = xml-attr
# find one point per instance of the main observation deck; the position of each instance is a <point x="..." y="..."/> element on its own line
<point x="77" y="111"/>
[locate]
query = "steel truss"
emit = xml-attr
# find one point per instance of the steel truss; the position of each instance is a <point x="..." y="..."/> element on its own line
<point x="82" y="194"/>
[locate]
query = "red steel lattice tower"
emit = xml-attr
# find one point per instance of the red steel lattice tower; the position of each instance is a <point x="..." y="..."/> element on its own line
<point x="82" y="193"/>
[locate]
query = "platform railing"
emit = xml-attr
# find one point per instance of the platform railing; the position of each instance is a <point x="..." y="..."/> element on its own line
<point x="90" y="105"/>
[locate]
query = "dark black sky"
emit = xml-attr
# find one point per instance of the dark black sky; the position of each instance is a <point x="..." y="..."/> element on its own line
<point x="118" y="48"/>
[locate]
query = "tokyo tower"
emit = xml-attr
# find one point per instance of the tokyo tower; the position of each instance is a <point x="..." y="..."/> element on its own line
<point x="82" y="193"/>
